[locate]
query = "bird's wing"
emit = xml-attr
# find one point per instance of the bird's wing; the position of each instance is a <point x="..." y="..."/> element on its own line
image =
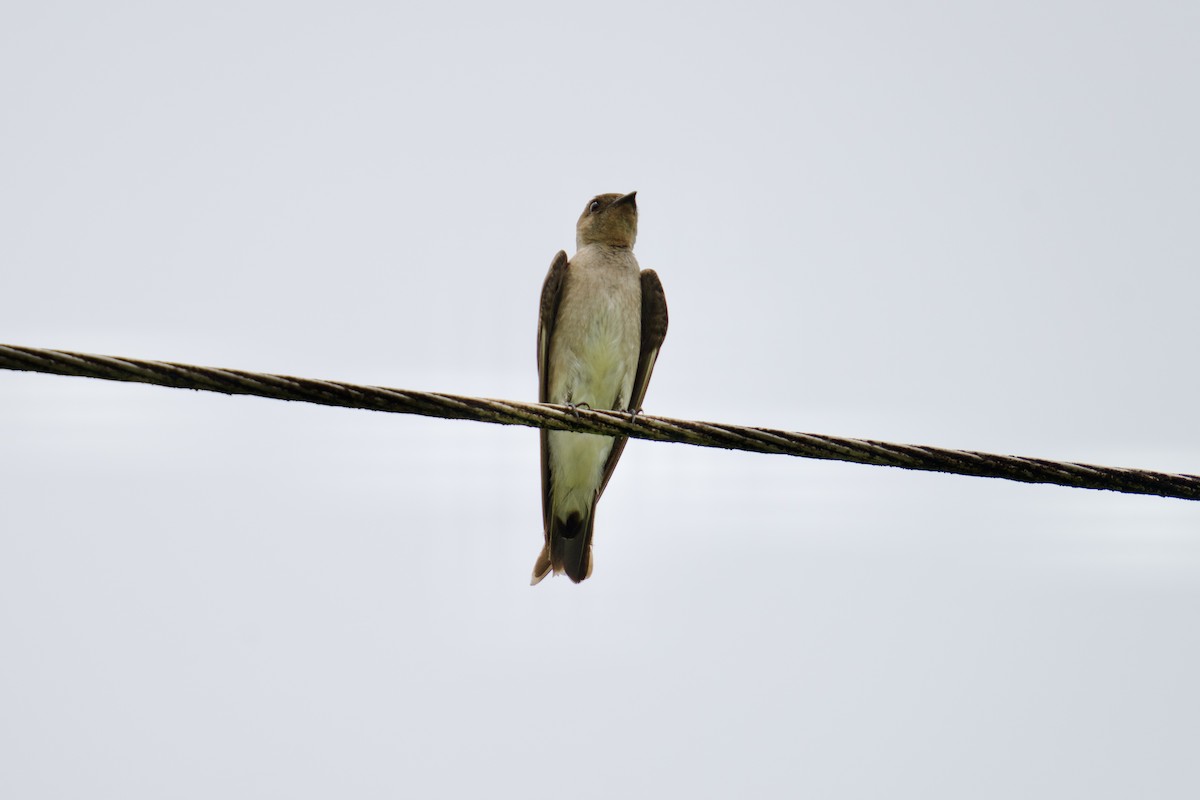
<point x="654" y="331"/>
<point x="552" y="291"/>
<point x="547" y="314"/>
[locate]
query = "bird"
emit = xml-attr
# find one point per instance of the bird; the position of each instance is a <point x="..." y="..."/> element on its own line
<point x="601" y="323"/>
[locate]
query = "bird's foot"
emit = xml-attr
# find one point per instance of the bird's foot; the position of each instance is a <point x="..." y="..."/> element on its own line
<point x="576" y="406"/>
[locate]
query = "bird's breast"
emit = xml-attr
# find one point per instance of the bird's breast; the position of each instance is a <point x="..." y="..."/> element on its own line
<point x="597" y="337"/>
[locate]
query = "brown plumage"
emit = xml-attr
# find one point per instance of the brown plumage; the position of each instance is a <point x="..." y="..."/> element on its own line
<point x="600" y="326"/>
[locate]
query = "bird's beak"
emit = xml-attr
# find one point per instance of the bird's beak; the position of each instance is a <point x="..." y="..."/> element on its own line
<point x="630" y="198"/>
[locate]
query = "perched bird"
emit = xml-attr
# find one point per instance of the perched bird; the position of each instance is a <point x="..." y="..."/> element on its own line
<point x="601" y="324"/>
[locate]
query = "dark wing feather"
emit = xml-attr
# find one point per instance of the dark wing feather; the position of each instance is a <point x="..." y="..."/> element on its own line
<point x="552" y="291"/>
<point x="654" y="331"/>
<point x="547" y="314"/>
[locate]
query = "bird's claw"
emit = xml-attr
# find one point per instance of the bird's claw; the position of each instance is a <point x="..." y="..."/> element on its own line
<point x="576" y="406"/>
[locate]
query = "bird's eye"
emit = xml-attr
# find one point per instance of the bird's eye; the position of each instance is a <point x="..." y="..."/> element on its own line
<point x="595" y="206"/>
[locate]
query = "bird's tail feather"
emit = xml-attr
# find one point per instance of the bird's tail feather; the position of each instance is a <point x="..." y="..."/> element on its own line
<point x="568" y="549"/>
<point x="541" y="567"/>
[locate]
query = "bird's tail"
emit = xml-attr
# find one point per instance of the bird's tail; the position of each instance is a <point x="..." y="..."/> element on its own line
<point x="568" y="548"/>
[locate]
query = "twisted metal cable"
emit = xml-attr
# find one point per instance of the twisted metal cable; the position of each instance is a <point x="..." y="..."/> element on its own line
<point x="609" y="423"/>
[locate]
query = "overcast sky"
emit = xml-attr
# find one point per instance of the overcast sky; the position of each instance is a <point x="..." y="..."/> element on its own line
<point x="970" y="225"/>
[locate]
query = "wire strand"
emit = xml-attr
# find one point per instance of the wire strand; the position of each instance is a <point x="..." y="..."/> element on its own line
<point x="608" y="423"/>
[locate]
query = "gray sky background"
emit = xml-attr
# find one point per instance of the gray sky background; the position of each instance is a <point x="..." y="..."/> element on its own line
<point x="968" y="225"/>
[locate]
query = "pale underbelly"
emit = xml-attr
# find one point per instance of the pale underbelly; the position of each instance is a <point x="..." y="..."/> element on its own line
<point x="600" y="377"/>
<point x="576" y="466"/>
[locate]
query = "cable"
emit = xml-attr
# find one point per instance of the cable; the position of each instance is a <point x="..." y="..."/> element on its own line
<point x="609" y="423"/>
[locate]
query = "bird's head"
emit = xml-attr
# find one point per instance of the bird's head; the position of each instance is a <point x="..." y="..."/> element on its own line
<point x="609" y="219"/>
